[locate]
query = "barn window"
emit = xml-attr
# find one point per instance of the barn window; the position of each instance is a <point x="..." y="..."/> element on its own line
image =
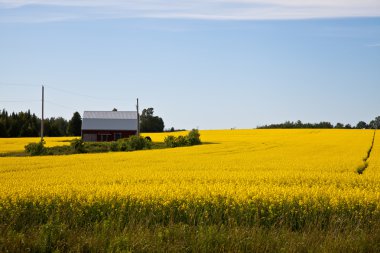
<point x="117" y="136"/>
<point x="105" y="137"/>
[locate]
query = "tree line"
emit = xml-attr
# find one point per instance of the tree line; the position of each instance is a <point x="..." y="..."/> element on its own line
<point x="325" y="125"/>
<point x="27" y="124"/>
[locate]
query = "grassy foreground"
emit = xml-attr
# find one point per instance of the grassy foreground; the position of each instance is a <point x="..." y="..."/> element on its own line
<point x="248" y="191"/>
<point x="103" y="237"/>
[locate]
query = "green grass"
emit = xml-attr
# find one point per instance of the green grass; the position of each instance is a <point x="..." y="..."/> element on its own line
<point x="105" y="237"/>
<point x="130" y="225"/>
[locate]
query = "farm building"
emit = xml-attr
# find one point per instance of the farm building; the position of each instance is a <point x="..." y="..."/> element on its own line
<point x="108" y="125"/>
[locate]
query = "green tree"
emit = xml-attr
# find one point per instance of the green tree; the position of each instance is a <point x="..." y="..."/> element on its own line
<point x="150" y="123"/>
<point x="61" y="125"/>
<point x="375" y="123"/>
<point x="3" y="129"/>
<point x="348" y="126"/>
<point x="361" y="125"/>
<point x="75" y="125"/>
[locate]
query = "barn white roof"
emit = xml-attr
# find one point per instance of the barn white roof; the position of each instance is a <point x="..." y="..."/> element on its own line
<point x="109" y="120"/>
<point x="109" y="115"/>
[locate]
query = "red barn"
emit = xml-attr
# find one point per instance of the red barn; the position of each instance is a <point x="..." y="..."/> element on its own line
<point x="108" y="125"/>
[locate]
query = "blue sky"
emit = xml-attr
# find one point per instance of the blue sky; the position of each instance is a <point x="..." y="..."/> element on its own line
<point x="207" y="64"/>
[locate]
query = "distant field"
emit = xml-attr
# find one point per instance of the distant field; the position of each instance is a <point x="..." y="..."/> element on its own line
<point x="17" y="144"/>
<point x="297" y="190"/>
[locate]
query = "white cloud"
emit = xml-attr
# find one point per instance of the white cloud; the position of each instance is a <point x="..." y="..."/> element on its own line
<point x="18" y="10"/>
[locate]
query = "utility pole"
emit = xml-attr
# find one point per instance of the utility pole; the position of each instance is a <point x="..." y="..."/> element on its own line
<point x="42" y="116"/>
<point x="138" y="118"/>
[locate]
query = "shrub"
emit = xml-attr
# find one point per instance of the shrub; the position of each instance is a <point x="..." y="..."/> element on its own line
<point x="133" y="143"/>
<point x="77" y="145"/>
<point x="97" y="147"/>
<point x="170" y="141"/>
<point x="35" y="148"/>
<point x="194" y="137"/>
<point x="114" y="146"/>
<point x="181" y="141"/>
<point x="138" y="143"/>
<point x="122" y="144"/>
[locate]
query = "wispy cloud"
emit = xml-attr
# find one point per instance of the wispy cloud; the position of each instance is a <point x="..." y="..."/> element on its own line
<point x="50" y="10"/>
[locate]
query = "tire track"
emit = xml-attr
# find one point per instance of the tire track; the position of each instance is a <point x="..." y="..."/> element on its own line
<point x="363" y="167"/>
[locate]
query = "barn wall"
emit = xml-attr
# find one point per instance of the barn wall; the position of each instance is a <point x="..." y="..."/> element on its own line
<point x="88" y="135"/>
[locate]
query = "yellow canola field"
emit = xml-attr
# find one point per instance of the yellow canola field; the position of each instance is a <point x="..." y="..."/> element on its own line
<point x="241" y="176"/>
<point x="17" y="144"/>
<point x="373" y="169"/>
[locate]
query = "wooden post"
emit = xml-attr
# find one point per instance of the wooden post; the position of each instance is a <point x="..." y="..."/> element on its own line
<point x="138" y="118"/>
<point x="42" y="116"/>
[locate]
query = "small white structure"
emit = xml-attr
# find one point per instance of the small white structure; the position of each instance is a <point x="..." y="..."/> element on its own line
<point x="108" y="125"/>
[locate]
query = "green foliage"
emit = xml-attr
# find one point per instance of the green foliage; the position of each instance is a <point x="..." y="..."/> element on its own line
<point x="3" y="129"/>
<point x="150" y="123"/>
<point x="193" y="138"/>
<point x="122" y="144"/>
<point x="375" y="124"/>
<point x="26" y="124"/>
<point x="75" y="125"/>
<point x="59" y="150"/>
<point x="170" y="141"/>
<point x="114" y="146"/>
<point x="78" y="145"/>
<point x="127" y="225"/>
<point x="22" y="124"/>
<point x="138" y="143"/>
<point x="361" y="125"/>
<point x="182" y="141"/>
<point x="35" y="148"/>
<point x="134" y="143"/>
<point x="55" y="127"/>
<point x="97" y="147"/>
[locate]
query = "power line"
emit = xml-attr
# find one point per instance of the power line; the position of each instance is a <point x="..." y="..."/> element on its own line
<point x="60" y="90"/>
<point x="18" y="101"/>
<point x="19" y="84"/>
<point x="64" y="106"/>
<point x="82" y="95"/>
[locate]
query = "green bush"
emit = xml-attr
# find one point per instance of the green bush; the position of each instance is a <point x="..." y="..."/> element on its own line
<point x="170" y="141"/>
<point x="97" y="147"/>
<point x="181" y="141"/>
<point x="133" y="143"/>
<point x="122" y="144"/>
<point x="114" y="146"/>
<point x="138" y="143"/>
<point x="194" y="137"/>
<point x="35" y="148"/>
<point x="77" y="145"/>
